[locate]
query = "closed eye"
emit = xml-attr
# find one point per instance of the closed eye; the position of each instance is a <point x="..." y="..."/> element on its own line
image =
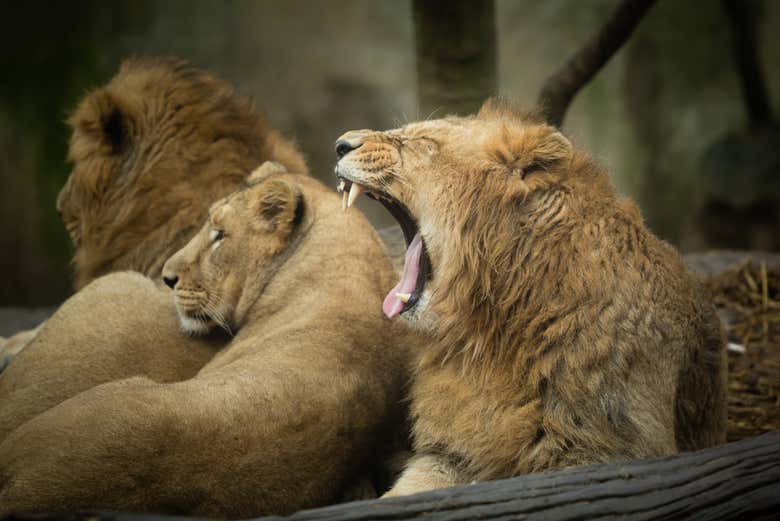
<point x="421" y="144"/>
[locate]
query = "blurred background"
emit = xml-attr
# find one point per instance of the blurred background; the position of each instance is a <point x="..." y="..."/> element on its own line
<point x="666" y="115"/>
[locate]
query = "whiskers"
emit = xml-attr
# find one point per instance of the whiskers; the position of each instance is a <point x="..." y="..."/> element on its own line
<point x="199" y="310"/>
<point x="404" y="120"/>
<point x="433" y="113"/>
<point x="401" y="180"/>
<point x="214" y="307"/>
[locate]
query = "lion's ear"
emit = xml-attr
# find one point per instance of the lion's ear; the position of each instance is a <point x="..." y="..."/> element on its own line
<point x="523" y="150"/>
<point x="501" y="108"/>
<point x="498" y="107"/>
<point x="280" y="206"/>
<point x="102" y="117"/>
<point x="266" y="170"/>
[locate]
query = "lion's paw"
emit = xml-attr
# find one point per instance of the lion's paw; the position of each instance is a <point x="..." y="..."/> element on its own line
<point x="360" y="489"/>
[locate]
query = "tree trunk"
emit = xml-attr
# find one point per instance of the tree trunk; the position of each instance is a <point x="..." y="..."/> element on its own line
<point x="743" y="18"/>
<point x="456" y="55"/>
<point x="560" y="88"/>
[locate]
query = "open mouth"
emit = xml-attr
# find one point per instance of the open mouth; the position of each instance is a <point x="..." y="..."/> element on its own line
<point x="417" y="264"/>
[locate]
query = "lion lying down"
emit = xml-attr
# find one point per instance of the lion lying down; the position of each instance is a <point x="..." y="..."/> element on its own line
<point x="565" y="333"/>
<point x="111" y="407"/>
<point x="150" y="152"/>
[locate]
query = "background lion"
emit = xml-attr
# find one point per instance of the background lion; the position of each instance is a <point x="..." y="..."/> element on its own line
<point x="151" y="150"/>
<point x="111" y="407"/>
<point x="565" y="333"/>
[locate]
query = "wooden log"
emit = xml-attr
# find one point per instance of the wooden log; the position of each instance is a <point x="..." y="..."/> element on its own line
<point x="739" y="480"/>
<point x="736" y="481"/>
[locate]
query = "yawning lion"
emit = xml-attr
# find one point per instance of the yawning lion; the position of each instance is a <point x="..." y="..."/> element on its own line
<point x="565" y="333"/>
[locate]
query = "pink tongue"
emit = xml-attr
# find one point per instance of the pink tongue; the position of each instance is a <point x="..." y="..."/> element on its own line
<point x="393" y="305"/>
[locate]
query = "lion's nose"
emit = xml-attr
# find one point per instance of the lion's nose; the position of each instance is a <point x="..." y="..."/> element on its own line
<point x="170" y="281"/>
<point x="343" y="147"/>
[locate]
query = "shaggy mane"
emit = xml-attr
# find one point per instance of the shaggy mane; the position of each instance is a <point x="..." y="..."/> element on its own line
<point x="150" y="151"/>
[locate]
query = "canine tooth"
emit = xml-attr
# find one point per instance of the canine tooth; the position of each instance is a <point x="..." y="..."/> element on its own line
<point x="354" y="192"/>
<point x="341" y="186"/>
<point x="344" y="200"/>
<point x="404" y="297"/>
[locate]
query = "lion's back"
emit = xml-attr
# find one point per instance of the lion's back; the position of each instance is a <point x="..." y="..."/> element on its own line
<point x="672" y="337"/>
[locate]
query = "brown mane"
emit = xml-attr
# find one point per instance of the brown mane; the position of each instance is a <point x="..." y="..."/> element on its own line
<point x="520" y="226"/>
<point x="564" y="332"/>
<point x="151" y="150"/>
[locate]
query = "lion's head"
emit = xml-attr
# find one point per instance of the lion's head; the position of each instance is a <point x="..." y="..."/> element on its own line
<point x="151" y="150"/>
<point x="466" y="191"/>
<point x="215" y="276"/>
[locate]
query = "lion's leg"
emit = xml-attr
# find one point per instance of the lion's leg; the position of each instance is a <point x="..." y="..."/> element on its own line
<point x="425" y="472"/>
<point x="360" y="489"/>
<point x="117" y="327"/>
<point x="701" y="397"/>
<point x="253" y="437"/>
<point x="60" y="444"/>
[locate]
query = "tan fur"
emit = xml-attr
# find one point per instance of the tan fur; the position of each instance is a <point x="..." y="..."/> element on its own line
<point x="151" y="150"/>
<point x="279" y="419"/>
<point x="565" y="333"/>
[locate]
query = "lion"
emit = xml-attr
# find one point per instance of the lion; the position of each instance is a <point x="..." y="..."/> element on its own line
<point x="274" y="399"/>
<point x="563" y="331"/>
<point x="150" y="151"/>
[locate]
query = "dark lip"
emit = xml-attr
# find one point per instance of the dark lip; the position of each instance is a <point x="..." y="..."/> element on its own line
<point x="198" y="315"/>
<point x="409" y="227"/>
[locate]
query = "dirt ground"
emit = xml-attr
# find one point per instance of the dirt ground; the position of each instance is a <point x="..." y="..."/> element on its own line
<point x="746" y="291"/>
